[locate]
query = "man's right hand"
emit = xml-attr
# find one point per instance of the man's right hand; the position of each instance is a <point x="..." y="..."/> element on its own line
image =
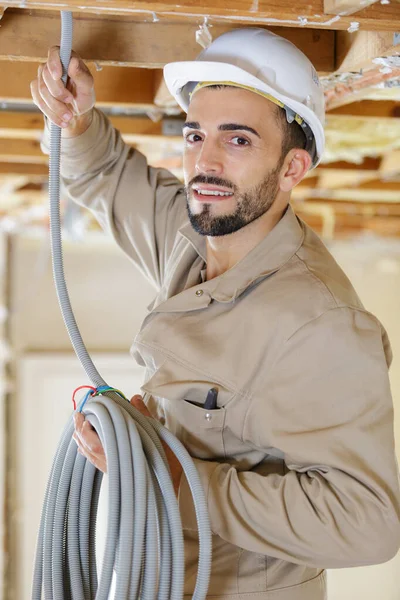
<point x="68" y="107"/>
<point x="88" y="442"/>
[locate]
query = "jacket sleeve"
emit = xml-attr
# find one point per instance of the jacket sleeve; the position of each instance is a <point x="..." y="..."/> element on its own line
<point x="140" y="206"/>
<point x="326" y="405"/>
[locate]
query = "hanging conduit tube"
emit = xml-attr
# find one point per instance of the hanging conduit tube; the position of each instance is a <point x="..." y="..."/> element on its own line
<point x="144" y="539"/>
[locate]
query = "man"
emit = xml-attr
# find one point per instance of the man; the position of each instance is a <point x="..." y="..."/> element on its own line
<point x="297" y="455"/>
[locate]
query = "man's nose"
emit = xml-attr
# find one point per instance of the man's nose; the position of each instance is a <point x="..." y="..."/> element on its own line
<point x="209" y="160"/>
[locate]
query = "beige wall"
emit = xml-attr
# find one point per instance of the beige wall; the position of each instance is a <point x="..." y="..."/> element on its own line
<point x="109" y="297"/>
<point x="373" y="266"/>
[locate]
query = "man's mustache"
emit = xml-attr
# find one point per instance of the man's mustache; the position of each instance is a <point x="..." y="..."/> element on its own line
<point x="211" y="180"/>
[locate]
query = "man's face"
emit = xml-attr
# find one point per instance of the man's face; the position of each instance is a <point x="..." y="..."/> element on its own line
<point x="232" y="159"/>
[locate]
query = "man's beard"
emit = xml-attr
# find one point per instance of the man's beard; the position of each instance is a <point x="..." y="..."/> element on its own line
<point x="251" y="205"/>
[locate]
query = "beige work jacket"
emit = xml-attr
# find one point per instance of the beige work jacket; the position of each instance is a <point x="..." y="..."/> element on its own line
<point x="298" y="460"/>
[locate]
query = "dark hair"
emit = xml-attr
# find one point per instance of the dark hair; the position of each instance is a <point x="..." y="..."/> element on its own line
<point x="293" y="135"/>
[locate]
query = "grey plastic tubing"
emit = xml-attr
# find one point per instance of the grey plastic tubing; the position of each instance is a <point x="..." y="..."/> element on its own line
<point x="144" y="550"/>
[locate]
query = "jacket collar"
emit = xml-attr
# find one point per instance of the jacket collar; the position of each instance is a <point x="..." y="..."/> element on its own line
<point x="275" y="250"/>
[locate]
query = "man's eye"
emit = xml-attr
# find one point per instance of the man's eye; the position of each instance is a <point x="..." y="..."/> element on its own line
<point x="192" y="137"/>
<point x="240" y="141"/>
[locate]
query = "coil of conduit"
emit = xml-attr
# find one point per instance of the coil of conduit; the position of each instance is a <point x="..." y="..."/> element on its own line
<point x="144" y="538"/>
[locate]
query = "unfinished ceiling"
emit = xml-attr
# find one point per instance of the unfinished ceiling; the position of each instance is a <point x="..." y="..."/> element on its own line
<point x="354" y="45"/>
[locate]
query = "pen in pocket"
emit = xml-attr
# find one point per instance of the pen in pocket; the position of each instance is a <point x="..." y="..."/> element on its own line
<point x="211" y="400"/>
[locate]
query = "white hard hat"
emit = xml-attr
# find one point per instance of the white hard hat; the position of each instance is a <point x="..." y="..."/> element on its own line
<point x="263" y="62"/>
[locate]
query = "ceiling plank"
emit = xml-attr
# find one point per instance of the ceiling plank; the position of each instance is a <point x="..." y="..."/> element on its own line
<point x="347" y="194"/>
<point x="345" y="7"/>
<point x="358" y="50"/>
<point x="369" y="108"/>
<point x="275" y="13"/>
<point x="16" y="168"/>
<point x="390" y="165"/>
<point x="349" y="226"/>
<point x="124" y="42"/>
<point x="115" y="86"/>
<point x="357" y="208"/>
<point x="364" y="59"/>
<point x="24" y="151"/>
<point x="162" y="98"/>
<point x="29" y="126"/>
<point x="29" y="151"/>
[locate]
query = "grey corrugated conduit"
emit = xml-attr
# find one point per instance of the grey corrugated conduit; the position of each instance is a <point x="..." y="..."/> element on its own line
<point x="144" y="539"/>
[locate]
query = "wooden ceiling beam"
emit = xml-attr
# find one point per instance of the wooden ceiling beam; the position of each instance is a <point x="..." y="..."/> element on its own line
<point x="349" y="226"/>
<point x="123" y="42"/>
<point x="17" y="168"/>
<point x="303" y="13"/>
<point x="24" y="151"/>
<point x="390" y="165"/>
<point x="29" y="151"/>
<point x="369" y="108"/>
<point x="356" y="208"/>
<point x="347" y="194"/>
<point x="162" y="98"/>
<point x="115" y="86"/>
<point x="368" y="164"/>
<point x="345" y="7"/>
<point x="364" y="60"/>
<point x="359" y="50"/>
<point x="29" y="126"/>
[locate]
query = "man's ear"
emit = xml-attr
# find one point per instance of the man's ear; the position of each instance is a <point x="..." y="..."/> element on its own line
<point x="295" y="168"/>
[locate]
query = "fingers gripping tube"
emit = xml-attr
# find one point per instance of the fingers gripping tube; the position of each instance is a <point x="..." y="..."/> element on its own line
<point x="144" y="539"/>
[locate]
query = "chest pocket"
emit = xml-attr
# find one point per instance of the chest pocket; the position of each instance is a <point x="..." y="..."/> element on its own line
<point x="176" y="395"/>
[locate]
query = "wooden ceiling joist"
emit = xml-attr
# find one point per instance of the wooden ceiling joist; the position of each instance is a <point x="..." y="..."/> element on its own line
<point x="358" y="50"/>
<point x="22" y="151"/>
<point x="29" y="126"/>
<point x="379" y="194"/>
<point x="115" y="86"/>
<point x="17" y="168"/>
<point x="123" y="42"/>
<point x="345" y="7"/>
<point x="286" y="13"/>
<point x="390" y="164"/>
<point x="369" y="108"/>
<point x="153" y="146"/>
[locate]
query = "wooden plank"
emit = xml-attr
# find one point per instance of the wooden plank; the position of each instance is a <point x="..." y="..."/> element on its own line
<point x="357" y="50"/>
<point x="369" y="108"/>
<point x="29" y="126"/>
<point x="334" y="179"/>
<point x="17" y="168"/>
<point x="115" y="86"/>
<point x="345" y="7"/>
<point x="390" y="165"/>
<point x="368" y="164"/>
<point x="351" y="226"/>
<point x="29" y="151"/>
<point x="379" y="184"/>
<point x="123" y="42"/>
<point x="368" y="59"/>
<point x="26" y="151"/>
<point x="347" y="195"/>
<point x="286" y="13"/>
<point x="162" y="97"/>
<point x="359" y="208"/>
